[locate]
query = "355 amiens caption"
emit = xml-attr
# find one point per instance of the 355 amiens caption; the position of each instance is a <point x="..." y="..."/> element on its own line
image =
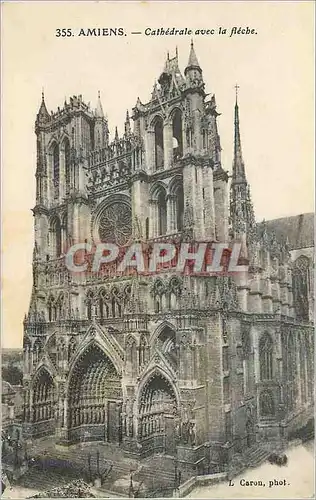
<point x="68" y="32"/>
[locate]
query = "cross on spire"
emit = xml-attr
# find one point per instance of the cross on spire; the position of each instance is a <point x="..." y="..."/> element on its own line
<point x="236" y="90"/>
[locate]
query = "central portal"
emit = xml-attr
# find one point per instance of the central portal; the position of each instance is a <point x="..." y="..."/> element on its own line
<point x="94" y="399"/>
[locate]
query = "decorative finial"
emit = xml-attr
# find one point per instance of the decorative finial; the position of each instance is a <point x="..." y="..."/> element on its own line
<point x="43" y="94"/>
<point x="99" y="94"/>
<point x="236" y="90"/>
<point x="192" y="42"/>
<point x="168" y="55"/>
<point x="176" y="51"/>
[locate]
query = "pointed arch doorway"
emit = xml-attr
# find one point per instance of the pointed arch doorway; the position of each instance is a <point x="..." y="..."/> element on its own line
<point x="158" y="415"/>
<point x="94" y="399"/>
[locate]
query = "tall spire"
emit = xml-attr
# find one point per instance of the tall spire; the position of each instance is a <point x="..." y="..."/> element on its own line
<point x="99" y="110"/>
<point x="242" y="217"/>
<point x="238" y="162"/>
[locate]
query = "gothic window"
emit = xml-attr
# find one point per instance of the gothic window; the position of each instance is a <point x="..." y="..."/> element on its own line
<point x="115" y="224"/>
<point x="162" y="213"/>
<point x="55" y="230"/>
<point x="301" y="287"/>
<point x="56" y="170"/>
<point x="67" y="165"/>
<point x="266" y="357"/>
<point x="177" y="135"/>
<point x="159" y="148"/>
<point x="204" y="138"/>
<point x="266" y="404"/>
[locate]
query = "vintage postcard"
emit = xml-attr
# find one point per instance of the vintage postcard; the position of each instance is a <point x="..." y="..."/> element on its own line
<point x="158" y="249"/>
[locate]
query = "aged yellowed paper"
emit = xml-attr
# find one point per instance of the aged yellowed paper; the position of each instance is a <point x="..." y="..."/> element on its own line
<point x="157" y="249"/>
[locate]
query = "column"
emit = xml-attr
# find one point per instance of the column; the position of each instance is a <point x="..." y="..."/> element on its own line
<point x="167" y="145"/>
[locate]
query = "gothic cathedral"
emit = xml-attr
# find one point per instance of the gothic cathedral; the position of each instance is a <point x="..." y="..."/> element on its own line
<point x="196" y="367"/>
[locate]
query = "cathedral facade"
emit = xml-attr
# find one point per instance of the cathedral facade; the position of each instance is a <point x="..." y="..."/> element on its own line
<point x="193" y="366"/>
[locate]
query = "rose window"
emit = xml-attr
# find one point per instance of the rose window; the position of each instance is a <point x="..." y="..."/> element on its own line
<point x="116" y="224"/>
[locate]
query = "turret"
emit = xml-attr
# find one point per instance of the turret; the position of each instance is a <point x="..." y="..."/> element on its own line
<point x="193" y="71"/>
<point x="127" y="124"/>
<point x="101" y="131"/>
<point x="42" y="116"/>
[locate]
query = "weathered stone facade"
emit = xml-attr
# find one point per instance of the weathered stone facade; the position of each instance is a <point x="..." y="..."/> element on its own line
<point x="194" y="366"/>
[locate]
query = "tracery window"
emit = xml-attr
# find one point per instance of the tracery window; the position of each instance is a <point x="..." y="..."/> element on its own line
<point x="266" y="357"/>
<point x="301" y="286"/>
<point x="115" y="224"/>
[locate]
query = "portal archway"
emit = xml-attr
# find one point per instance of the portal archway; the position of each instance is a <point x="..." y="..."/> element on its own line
<point x="94" y="398"/>
<point x="158" y="411"/>
<point x="43" y="397"/>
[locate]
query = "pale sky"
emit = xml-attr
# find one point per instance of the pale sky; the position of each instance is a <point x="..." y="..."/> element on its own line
<point x="274" y="69"/>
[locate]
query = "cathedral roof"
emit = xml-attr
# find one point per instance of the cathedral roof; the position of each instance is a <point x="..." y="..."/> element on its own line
<point x="298" y="229"/>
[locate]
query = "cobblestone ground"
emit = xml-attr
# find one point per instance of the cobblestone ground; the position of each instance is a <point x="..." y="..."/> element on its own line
<point x="298" y="476"/>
